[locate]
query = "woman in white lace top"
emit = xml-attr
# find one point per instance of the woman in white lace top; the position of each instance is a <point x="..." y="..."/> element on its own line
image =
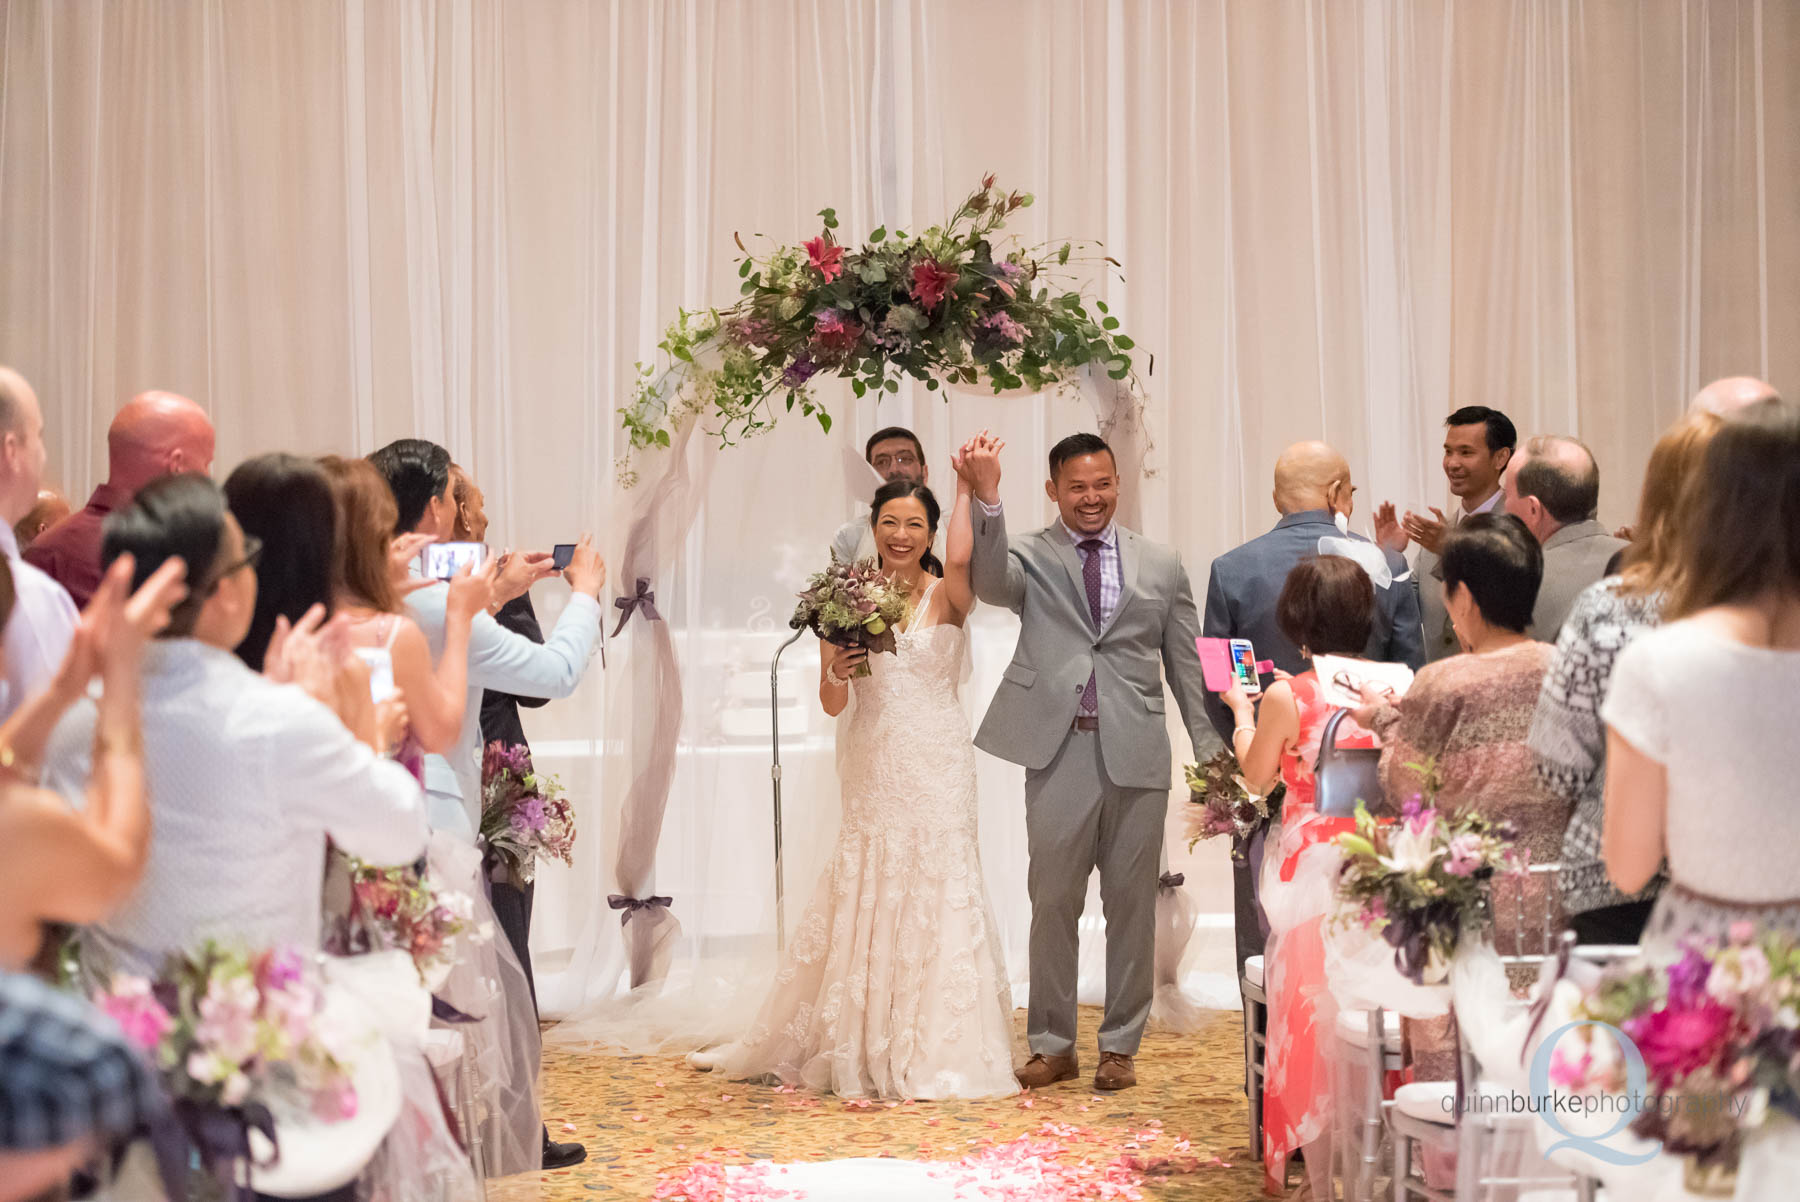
<point x="1701" y="755"/>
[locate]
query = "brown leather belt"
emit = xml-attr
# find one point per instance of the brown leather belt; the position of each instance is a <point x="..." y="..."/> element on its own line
<point x="1088" y="724"/>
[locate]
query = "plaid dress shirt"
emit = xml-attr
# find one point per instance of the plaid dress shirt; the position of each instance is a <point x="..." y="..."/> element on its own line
<point x="66" y="1071"/>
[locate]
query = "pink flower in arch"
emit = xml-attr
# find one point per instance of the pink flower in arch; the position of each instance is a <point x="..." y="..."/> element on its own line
<point x="826" y="256"/>
<point x="930" y="281"/>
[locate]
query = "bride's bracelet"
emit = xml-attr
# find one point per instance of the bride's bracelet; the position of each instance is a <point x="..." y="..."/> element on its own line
<point x="834" y="680"/>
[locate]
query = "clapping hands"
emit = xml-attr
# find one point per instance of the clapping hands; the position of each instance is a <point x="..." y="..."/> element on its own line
<point x="1393" y="531"/>
<point x="117" y="622"/>
<point x="977" y="467"/>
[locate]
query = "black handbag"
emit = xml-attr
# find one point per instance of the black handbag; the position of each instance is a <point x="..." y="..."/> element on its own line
<point x="1344" y="776"/>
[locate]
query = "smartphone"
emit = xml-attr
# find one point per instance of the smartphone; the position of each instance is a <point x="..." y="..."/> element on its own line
<point x="1243" y="666"/>
<point x="561" y="554"/>
<point x="440" y="561"/>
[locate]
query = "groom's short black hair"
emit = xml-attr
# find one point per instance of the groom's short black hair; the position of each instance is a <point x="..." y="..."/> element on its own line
<point x="1074" y="447"/>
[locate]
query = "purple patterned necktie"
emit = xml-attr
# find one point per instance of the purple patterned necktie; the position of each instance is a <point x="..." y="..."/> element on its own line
<point x="1090" y="579"/>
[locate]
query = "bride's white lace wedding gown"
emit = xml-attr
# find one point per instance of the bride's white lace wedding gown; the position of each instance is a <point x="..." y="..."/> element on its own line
<point x="895" y="985"/>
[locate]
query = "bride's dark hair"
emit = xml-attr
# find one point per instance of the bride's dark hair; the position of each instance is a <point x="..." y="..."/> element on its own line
<point x="893" y="490"/>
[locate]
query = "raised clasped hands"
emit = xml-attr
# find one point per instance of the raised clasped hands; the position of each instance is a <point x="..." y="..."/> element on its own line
<point x="978" y="464"/>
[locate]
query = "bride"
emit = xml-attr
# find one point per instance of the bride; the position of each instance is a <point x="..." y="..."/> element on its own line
<point x="895" y="985"/>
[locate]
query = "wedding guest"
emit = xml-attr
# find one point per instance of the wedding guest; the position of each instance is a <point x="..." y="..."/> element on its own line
<point x="1478" y="444"/>
<point x="1463" y="725"/>
<point x="1701" y="757"/>
<point x="51" y="508"/>
<point x="285" y="503"/>
<point x="434" y="688"/>
<point x="65" y="865"/>
<point x="1568" y="740"/>
<point x="1327" y="606"/>
<point x="1313" y="494"/>
<point x="896" y="454"/>
<point x="500" y="722"/>
<point x="249" y="777"/>
<point x="1469" y="716"/>
<point x="72" y="1088"/>
<point x="418" y="475"/>
<point x="1553" y="486"/>
<point x="155" y="434"/>
<point x="44" y="618"/>
<point x="1724" y="398"/>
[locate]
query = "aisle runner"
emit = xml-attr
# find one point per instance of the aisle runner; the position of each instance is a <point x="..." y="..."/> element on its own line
<point x="1058" y="1163"/>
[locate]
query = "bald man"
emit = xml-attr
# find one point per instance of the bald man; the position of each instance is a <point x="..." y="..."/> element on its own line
<point x="155" y="434"/>
<point x="43" y="618"/>
<point x="1731" y="395"/>
<point x="1553" y="485"/>
<point x="1312" y="490"/>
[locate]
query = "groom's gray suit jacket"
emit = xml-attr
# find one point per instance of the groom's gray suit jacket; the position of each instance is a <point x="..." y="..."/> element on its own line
<point x="1038" y="577"/>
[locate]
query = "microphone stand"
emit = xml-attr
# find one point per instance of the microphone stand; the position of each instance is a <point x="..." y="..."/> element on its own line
<point x="775" y="781"/>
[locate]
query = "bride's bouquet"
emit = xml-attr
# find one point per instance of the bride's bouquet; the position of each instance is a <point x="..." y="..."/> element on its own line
<point x="852" y="605"/>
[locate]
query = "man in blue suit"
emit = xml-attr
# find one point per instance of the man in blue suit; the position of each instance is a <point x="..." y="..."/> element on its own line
<point x="1313" y="494"/>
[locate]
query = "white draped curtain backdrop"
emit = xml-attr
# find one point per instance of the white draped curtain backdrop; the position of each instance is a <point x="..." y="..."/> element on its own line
<point x="346" y="221"/>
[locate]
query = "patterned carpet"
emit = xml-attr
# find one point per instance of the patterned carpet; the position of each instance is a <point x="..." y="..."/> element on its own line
<point x="1180" y="1135"/>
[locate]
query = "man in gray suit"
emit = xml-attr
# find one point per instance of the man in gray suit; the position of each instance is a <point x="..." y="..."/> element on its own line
<point x="896" y="454"/>
<point x="1553" y="486"/>
<point x="1104" y="613"/>
<point x="1478" y="444"/>
<point x="1312" y="492"/>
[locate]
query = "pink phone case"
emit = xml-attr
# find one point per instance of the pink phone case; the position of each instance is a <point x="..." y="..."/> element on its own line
<point x="1215" y="663"/>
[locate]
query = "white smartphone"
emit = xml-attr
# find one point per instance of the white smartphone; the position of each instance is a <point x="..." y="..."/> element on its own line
<point x="440" y="561"/>
<point x="1243" y="666"/>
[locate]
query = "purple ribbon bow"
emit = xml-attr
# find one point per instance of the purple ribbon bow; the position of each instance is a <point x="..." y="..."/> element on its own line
<point x="643" y="600"/>
<point x="632" y="905"/>
<point x="221" y="1137"/>
<point x="1172" y="880"/>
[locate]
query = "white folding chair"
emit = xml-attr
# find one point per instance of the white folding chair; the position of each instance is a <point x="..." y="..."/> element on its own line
<point x="447" y="1053"/>
<point x="1367" y="1048"/>
<point x="1256" y="1012"/>
<point x="1420" y="1116"/>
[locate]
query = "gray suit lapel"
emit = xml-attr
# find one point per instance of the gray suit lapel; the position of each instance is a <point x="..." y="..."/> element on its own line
<point x="1128" y="574"/>
<point x="1065" y="550"/>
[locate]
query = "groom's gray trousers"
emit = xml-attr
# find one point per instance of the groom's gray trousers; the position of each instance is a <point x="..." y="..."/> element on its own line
<point x="1076" y="819"/>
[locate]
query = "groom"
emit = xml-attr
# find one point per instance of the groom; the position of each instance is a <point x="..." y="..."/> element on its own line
<point x="1081" y="707"/>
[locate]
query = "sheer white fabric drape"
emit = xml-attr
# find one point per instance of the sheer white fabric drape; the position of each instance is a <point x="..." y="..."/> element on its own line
<point x="342" y="222"/>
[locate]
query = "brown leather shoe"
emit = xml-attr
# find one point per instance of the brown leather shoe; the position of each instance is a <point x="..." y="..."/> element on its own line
<point x="1115" y="1072"/>
<point x="1042" y="1070"/>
